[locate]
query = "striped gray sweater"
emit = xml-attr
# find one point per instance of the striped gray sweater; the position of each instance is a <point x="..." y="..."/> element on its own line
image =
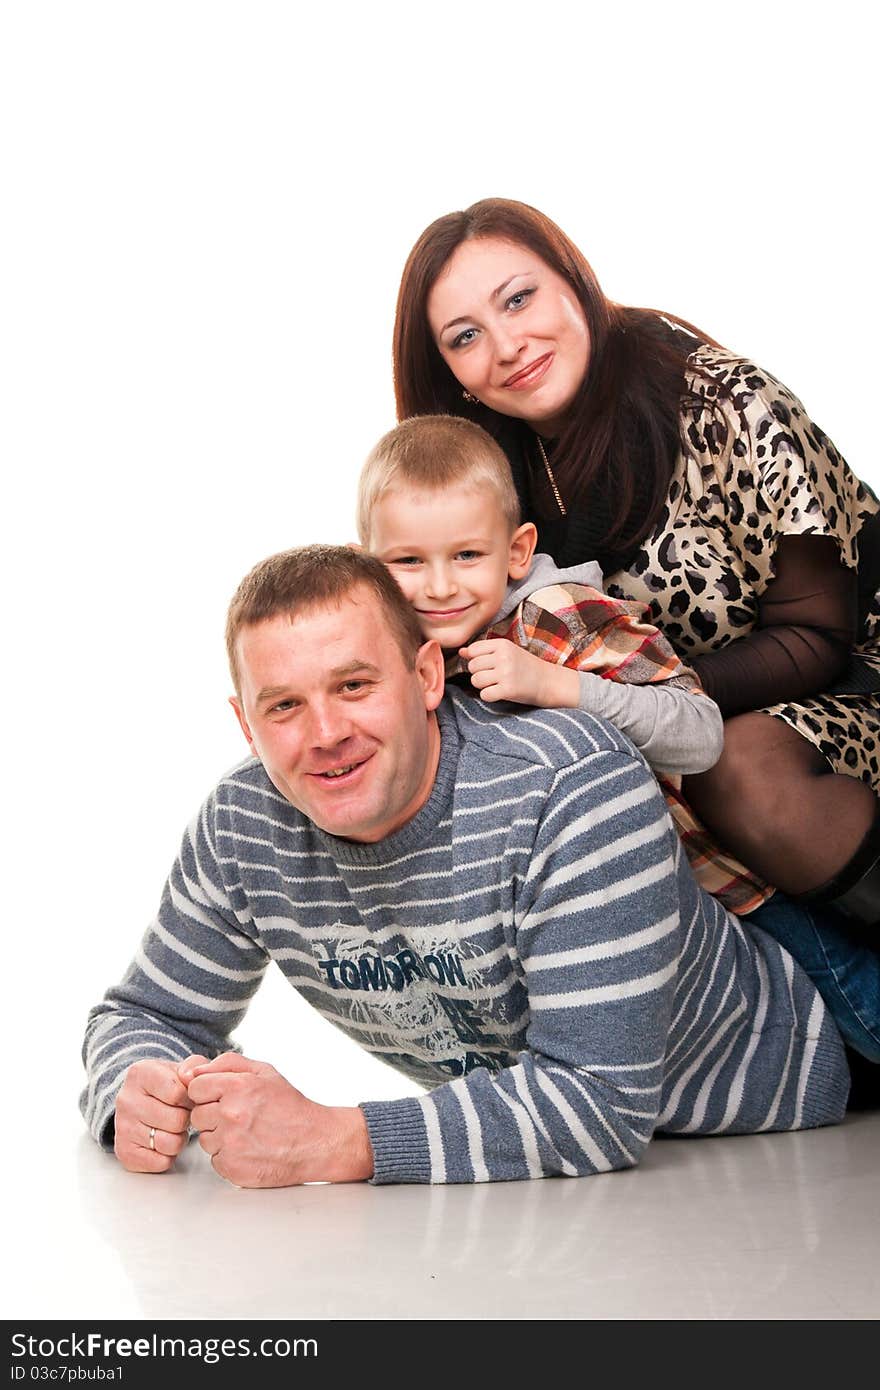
<point x="531" y="947"/>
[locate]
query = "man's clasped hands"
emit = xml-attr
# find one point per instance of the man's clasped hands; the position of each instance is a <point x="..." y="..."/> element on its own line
<point x="258" y="1129"/>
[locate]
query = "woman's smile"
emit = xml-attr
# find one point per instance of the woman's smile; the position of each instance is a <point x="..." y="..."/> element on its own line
<point x="530" y="375"/>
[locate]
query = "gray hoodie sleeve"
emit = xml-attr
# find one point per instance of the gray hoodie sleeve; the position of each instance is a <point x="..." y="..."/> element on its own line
<point x="675" y="730"/>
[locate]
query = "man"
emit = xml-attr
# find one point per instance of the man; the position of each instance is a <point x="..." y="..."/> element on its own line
<point x="495" y="903"/>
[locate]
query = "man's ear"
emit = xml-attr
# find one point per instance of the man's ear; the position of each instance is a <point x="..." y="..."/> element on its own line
<point x="245" y="728"/>
<point x="431" y="670"/>
<point x="522" y="548"/>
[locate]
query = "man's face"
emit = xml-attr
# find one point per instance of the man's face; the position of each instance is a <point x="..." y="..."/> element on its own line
<point x="344" y="729"/>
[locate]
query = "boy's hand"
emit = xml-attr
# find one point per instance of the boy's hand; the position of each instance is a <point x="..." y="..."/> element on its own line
<point x="501" y="670"/>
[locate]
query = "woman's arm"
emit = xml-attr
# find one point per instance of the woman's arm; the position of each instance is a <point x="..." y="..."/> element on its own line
<point x="800" y="643"/>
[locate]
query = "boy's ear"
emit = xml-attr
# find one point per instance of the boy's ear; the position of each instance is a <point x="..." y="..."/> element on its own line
<point x="522" y="548"/>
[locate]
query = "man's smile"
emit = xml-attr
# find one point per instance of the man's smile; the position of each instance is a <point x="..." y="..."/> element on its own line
<point x="342" y="774"/>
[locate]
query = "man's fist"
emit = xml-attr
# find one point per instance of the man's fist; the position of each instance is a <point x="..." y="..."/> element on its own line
<point x="152" y="1116"/>
<point x="261" y="1132"/>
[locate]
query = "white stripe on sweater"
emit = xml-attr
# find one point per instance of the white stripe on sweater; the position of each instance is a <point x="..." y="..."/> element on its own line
<point x="604" y="994"/>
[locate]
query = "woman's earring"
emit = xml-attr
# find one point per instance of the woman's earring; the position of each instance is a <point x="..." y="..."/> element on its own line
<point x="472" y="400"/>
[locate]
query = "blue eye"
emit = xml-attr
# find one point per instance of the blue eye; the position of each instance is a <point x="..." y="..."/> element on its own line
<point x="463" y="338"/>
<point x="408" y="560"/>
<point x="519" y="300"/>
<point x="469" y="555"/>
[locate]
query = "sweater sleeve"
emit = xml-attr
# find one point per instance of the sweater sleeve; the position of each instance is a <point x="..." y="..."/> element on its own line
<point x="678" y="731"/>
<point x="187" y="987"/>
<point x="597" y="944"/>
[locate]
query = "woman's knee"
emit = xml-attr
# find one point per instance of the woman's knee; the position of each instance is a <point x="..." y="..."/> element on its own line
<point x="761" y="758"/>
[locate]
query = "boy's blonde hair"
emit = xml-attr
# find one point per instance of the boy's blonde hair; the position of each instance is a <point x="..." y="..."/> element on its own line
<point x="433" y="452"/>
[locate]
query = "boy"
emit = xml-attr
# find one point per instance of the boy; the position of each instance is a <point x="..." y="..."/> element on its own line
<point x="437" y="504"/>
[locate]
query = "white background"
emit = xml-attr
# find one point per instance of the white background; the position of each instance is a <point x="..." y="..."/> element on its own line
<point x="207" y="209"/>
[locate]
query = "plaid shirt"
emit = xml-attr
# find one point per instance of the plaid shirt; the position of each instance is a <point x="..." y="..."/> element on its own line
<point x="580" y="627"/>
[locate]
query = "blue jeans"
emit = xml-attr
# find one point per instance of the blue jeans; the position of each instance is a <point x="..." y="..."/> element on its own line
<point x="845" y="971"/>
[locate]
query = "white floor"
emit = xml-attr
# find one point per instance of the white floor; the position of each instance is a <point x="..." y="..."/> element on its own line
<point x="773" y="1226"/>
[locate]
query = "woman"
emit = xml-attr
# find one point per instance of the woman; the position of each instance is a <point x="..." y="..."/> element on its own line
<point x="702" y="487"/>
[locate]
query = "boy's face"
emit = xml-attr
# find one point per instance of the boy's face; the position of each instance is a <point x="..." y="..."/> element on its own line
<point x="452" y="553"/>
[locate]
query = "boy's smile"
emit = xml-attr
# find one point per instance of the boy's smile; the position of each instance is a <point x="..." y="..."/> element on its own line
<point x="452" y="554"/>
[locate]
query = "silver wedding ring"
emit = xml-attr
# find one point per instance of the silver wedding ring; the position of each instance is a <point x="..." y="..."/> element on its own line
<point x="152" y="1137"/>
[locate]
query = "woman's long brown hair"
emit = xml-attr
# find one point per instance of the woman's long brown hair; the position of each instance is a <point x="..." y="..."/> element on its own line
<point x="622" y="437"/>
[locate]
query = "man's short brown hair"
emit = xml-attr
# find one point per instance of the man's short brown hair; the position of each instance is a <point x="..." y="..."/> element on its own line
<point x="430" y="453"/>
<point x="295" y="581"/>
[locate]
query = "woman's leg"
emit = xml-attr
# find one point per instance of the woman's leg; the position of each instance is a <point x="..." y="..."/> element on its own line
<point x="773" y="799"/>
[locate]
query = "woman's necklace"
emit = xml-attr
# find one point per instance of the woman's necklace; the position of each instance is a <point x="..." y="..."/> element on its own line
<point x="552" y="480"/>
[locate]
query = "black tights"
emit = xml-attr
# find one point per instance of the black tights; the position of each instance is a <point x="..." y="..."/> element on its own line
<point x="774" y="801"/>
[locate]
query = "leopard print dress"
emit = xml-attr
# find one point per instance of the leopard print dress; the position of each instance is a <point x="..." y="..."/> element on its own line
<point x="753" y="467"/>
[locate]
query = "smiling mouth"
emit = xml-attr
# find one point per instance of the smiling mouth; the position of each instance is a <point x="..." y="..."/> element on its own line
<point x="444" y="612"/>
<point x="530" y="374"/>
<point x="339" y="774"/>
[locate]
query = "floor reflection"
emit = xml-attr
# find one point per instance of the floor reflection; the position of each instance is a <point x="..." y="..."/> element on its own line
<point x="769" y="1225"/>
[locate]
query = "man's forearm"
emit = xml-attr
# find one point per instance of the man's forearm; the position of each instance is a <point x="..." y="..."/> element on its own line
<point x="174" y="1000"/>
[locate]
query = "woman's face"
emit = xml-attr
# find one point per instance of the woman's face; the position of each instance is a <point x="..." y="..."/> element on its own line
<point x="511" y="330"/>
